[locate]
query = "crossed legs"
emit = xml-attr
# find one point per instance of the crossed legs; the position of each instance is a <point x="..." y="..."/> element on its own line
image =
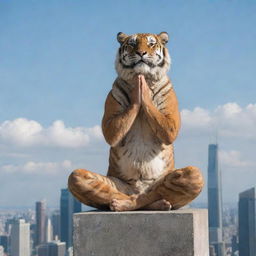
<point x="97" y="190"/>
<point x="176" y="188"/>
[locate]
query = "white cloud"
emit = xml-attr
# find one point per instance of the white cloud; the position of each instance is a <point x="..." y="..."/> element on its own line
<point x="229" y="120"/>
<point x="30" y="161"/>
<point x="233" y="158"/>
<point x="59" y="135"/>
<point x="26" y="133"/>
<point x="21" y="131"/>
<point x="198" y="117"/>
<point x="38" y="168"/>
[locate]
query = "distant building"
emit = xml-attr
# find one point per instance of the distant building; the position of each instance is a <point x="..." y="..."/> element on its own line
<point x="42" y="250"/>
<point x="20" y="238"/>
<point x="234" y="245"/>
<point x="4" y="241"/>
<point x="68" y="206"/>
<point x="40" y="222"/>
<point x="212" y="250"/>
<point x="1" y="250"/>
<point x="215" y="201"/>
<point x="54" y="248"/>
<point x="8" y="226"/>
<point x="70" y="251"/>
<point x="48" y="232"/>
<point x="246" y="223"/>
<point x="56" y="224"/>
<point x="33" y="235"/>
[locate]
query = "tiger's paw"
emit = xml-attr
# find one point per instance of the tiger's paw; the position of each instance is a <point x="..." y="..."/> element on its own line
<point x="120" y="205"/>
<point x="160" y="205"/>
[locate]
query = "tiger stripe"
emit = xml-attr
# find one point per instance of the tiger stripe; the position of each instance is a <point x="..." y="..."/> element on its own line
<point x="125" y="94"/>
<point x="160" y="89"/>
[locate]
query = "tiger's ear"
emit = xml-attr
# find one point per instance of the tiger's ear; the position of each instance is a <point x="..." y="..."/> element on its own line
<point x="121" y="37"/>
<point x="164" y="37"/>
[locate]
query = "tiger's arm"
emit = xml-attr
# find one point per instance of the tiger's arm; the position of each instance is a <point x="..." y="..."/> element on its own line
<point x="165" y="124"/>
<point x="117" y="122"/>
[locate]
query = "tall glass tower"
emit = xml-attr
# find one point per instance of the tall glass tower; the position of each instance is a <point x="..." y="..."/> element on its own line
<point x="68" y="206"/>
<point x="247" y="228"/>
<point x="215" y="201"/>
<point x="40" y="222"/>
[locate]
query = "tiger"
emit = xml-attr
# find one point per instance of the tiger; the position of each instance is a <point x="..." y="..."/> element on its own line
<point x="140" y="123"/>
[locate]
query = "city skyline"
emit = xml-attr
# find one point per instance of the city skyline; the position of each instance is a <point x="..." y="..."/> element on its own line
<point x="230" y="231"/>
<point x="33" y="233"/>
<point x="238" y="222"/>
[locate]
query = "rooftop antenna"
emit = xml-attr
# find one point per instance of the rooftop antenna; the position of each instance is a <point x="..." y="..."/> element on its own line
<point x="216" y="136"/>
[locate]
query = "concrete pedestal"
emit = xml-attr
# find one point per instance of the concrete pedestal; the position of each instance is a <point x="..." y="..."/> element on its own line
<point x="141" y="233"/>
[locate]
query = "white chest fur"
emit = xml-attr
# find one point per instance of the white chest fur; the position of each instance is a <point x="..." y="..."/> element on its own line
<point x="141" y="156"/>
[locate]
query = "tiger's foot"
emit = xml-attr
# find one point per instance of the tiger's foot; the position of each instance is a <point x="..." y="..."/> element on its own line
<point x="119" y="205"/>
<point x="160" y="205"/>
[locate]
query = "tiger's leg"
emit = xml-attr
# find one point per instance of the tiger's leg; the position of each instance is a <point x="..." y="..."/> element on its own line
<point x="178" y="187"/>
<point x="97" y="190"/>
<point x="160" y="205"/>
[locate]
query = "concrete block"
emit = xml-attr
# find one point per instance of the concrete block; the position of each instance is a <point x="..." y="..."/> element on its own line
<point x="141" y="233"/>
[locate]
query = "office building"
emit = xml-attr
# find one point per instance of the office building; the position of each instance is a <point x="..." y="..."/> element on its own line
<point x="48" y="231"/>
<point x="234" y="245"/>
<point x="56" y="225"/>
<point x="68" y="206"/>
<point x="246" y="223"/>
<point x="1" y="250"/>
<point x="42" y="250"/>
<point x="54" y="248"/>
<point x="215" y="201"/>
<point x="8" y="226"/>
<point x="40" y="222"/>
<point x="4" y="241"/>
<point x="20" y="238"/>
<point x="212" y="250"/>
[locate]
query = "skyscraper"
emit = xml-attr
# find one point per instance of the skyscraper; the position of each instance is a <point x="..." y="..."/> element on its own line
<point x="68" y="206"/>
<point x="247" y="229"/>
<point x="20" y="238"/>
<point x="40" y="222"/>
<point x="56" y="224"/>
<point x="48" y="231"/>
<point x="214" y="201"/>
<point x="8" y="226"/>
<point x="4" y="241"/>
<point x="54" y="248"/>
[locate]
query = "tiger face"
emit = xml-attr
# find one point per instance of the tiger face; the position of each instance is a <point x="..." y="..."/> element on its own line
<point x="142" y="54"/>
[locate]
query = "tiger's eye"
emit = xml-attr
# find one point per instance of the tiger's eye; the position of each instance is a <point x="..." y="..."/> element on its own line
<point x="132" y="43"/>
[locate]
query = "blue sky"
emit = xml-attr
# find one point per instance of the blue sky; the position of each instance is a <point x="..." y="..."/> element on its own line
<point x="57" y="63"/>
<point x="54" y="54"/>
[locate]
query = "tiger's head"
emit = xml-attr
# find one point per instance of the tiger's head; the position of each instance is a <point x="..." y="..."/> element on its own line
<point x="142" y="54"/>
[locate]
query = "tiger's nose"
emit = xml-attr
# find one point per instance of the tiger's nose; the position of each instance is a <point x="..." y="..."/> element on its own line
<point x="141" y="53"/>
